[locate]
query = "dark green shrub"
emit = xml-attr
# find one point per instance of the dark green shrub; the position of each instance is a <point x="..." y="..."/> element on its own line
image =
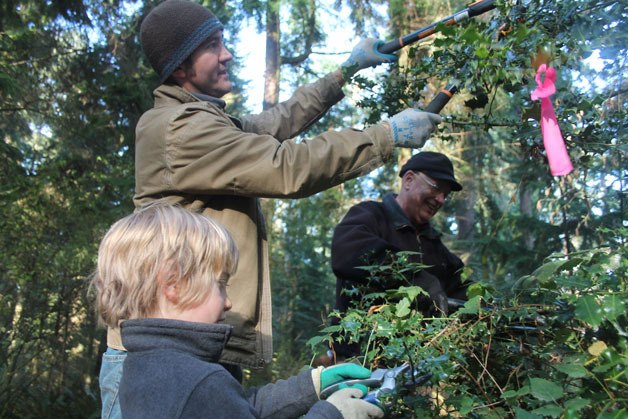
<point x="553" y="346"/>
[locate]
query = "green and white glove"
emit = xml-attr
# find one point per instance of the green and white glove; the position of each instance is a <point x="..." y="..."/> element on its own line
<point x="350" y="404"/>
<point x="412" y="128"/>
<point x="324" y="377"/>
<point x="366" y="54"/>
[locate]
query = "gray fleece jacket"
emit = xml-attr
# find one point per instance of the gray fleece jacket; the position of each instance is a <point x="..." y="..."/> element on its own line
<point x="171" y="371"/>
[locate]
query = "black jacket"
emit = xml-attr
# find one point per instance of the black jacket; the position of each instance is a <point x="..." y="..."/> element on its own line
<point x="371" y="231"/>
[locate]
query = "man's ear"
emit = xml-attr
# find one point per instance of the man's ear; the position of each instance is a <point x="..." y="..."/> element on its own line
<point x="407" y="179"/>
<point x="178" y="75"/>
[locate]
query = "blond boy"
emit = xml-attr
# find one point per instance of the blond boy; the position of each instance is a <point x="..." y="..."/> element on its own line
<point x="162" y="276"/>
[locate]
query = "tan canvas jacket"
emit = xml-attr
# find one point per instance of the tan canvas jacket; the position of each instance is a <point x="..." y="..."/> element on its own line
<point x="192" y="153"/>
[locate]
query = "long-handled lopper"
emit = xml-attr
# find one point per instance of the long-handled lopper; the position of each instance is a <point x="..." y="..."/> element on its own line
<point x="474" y="9"/>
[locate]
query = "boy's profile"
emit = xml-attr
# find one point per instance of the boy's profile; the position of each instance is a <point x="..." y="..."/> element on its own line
<point x="162" y="276"/>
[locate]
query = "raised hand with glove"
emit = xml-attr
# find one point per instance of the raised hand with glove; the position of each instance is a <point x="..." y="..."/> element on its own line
<point x="412" y="128"/>
<point x="365" y="54"/>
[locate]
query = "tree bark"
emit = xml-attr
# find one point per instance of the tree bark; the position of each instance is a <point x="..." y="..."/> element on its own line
<point x="273" y="58"/>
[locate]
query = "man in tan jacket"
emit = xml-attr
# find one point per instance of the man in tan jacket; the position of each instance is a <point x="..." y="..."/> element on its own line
<point x="190" y="152"/>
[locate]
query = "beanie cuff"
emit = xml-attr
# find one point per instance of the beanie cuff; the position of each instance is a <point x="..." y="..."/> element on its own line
<point x="188" y="46"/>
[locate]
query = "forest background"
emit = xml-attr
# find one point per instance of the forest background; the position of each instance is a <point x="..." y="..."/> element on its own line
<point x="73" y="83"/>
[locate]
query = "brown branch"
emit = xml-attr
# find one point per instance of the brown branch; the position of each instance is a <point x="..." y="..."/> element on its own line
<point x="309" y="40"/>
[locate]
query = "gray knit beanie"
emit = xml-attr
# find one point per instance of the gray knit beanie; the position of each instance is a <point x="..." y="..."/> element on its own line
<point x="172" y="31"/>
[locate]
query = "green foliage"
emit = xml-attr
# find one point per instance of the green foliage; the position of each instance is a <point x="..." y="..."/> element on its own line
<point x="67" y="134"/>
<point x="554" y="347"/>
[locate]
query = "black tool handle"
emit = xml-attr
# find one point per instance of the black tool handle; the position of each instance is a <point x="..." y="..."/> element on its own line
<point x="480" y="7"/>
<point x="474" y="9"/>
<point x="441" y="99"/>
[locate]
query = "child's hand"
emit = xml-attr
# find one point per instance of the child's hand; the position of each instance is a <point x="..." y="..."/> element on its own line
<point x="342" y="372"/>
<point x="348" y="401"/>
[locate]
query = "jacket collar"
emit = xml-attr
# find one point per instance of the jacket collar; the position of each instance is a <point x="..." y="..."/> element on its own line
<point x="207" y="98"/>
<point x="169" y="94"/>
<point x="170" y="91"/>
<point x="400" y="220"/>
<point x="205" y="341"/>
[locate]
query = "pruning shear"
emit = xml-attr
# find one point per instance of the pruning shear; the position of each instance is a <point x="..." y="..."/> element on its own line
<point x="384" y="381"/>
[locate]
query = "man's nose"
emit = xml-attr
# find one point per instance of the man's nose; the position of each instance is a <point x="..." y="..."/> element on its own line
<point x="225" y="55"/>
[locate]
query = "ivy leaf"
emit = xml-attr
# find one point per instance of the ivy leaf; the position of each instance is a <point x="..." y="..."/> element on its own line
<point x="412" y="292"/>
<point x="445" y="29"/>
<point x="470" y="35"/>
<point x="403" y="308"/>
<point x="545" y="390"/>
<point x="482" y="52"/>
<point x="588" y="310"/>
<point x="472" y="306"/>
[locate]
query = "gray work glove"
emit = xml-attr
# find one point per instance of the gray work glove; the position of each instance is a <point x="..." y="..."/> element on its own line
<point x="348" y="401"/>
<point x="364" y="55"/>
<point x="412" y="128"/>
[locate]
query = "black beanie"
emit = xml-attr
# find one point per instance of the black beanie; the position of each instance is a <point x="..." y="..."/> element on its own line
<point x="172" y="31"/>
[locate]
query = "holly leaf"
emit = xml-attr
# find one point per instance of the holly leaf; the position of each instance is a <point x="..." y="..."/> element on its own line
<point x="546" y="271"/>
<point x="613" y="306"/>
<point x="589" y="311"/>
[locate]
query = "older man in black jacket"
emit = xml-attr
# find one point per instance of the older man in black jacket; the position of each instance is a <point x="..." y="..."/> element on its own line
<point x="372" y="232"/>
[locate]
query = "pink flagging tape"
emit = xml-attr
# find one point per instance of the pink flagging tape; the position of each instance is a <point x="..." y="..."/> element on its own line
<point x="557" y="155"/>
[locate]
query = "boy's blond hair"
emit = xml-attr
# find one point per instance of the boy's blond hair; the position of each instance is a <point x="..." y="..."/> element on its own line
<point x="160" y="241"/>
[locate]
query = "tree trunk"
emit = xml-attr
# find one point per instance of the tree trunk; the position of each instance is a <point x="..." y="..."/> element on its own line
<point x="525" y="206"/>
<point x="273" y="59"/>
